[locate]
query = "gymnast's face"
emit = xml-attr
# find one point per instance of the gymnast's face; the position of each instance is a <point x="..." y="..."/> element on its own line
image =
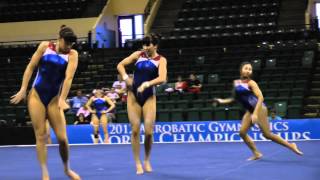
<point x="99" y="93"/>
<point x="246" y="71"/>
<point x="149" y="48"/>
<point x="64" y="47"/>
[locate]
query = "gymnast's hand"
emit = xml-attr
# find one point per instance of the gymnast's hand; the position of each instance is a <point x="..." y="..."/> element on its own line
<point x="62" y="104"/>
<point x="216" y="102"/>
<point x="15" y="99"/>
<point x="92" y="111"/>
<point x="129" y="82"/>
<point x="143" y="86"/>
<point x="103" y="112"/>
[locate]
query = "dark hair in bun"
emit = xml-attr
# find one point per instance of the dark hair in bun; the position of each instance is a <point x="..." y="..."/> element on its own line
<point x="151" y="38"/>
<point x="67" y="34"/>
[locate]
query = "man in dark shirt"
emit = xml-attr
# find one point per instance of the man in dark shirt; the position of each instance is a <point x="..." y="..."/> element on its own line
<point x="194" y="85"/>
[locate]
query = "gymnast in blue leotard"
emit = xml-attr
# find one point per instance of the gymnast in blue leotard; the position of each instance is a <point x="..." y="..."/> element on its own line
<point x="50" y="75"/>
<point x="101" y="106"/>
<point x="146" y="69"/>
<point x="150" y="70"/>
<point x="249" y="95"/>
<point x="57" y="63"/>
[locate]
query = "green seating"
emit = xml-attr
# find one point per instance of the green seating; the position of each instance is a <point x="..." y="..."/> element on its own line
<point x="198" y="103"/>
<point x="175" y="96"/>
<point x="182" y="104"/>
<point x="281" y="108"/>
<point x="206" y="113"/>
<point x="219" y="114"/>
<point x="193" y="114"/>
<point x="234" y="113"/>
<point x="294" y="111"/>
<point x="163" y="115"/>
<point x="213" y="78"/>
<point x="169" y="104"/>
<point x="176" y="115"/>
<point x="296" y="100"/>
<point x="284" y="92"/>
<point x="122" y="117"/>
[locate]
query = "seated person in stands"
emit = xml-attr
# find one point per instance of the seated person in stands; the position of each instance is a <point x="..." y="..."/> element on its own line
<point x="165" y="87"/>
<point x="113" y="95"/>
<point x="180" y="85"/>
<point x="83" y="115"/>
<point x="111" y="116"/>
<point x="78" y="101"/>
<point x="194" y="85"/>
<point x="120" y="86"/>
<point x="273" y="115"/>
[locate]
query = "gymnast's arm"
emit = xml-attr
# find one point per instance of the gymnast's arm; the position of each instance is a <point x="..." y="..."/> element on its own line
<point x="15" y="99"/>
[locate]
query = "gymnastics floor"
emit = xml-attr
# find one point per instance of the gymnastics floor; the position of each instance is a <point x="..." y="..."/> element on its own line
<point x="192" y="161"/>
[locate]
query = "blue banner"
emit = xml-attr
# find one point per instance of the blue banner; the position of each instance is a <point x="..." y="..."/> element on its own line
<point x="208" y="131"/>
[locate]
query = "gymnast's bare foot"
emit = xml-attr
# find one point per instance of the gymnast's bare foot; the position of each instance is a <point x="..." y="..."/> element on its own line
<point x="256" y="155"/>
<point x="45" y="177"/>
<point x="72" y="175"/>
<point x="139" y="169"/>
<point x="106" y="141"/>
<point x="295" y="149"/>
<point x="45" y="174"/>
<point x="96" y="141"/>
<point x="147" y="166"/>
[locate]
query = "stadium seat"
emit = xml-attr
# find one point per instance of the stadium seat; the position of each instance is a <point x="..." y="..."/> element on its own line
<point x="219" y="114"/>
<point x="122" y="117"/>
<point x="177" y="115"/>
<point x="281" y="108"/>
<point x="193" y="114"/>
<point x="163" y="115"/>
<point x="294" y="111"/>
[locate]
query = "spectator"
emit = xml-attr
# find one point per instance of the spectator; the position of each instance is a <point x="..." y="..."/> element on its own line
<point x="165" y="87"/>
<point x="120" y="86"/>
<point x="111" y="116"/>
<point x="77" y="102"/>
<point x="83" y="116"/>
<point x="194" y="84"/>
<point x="273" y="115"/>
<point x="113" y="95"/>
<point x="180" y="86"/>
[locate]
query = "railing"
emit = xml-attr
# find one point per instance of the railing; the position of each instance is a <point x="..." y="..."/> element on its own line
<point x="37" y="41"/>
<point x="313" y="25"/>
<point x="148" y="9"/>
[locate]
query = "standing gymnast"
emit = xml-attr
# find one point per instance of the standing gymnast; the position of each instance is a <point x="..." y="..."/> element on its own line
<point x="150" y="70"/>
<point x="99" y="113"/>
<point x="248" y="93"/>
<point x="57" y="64"/>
